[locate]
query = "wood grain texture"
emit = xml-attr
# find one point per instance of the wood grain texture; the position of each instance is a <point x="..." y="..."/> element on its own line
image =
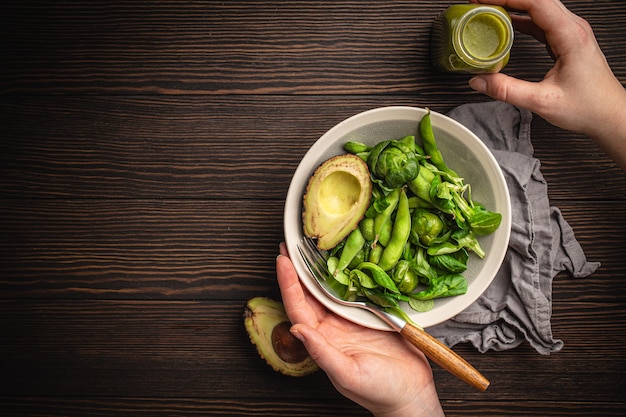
<point x="181" y="249"/>
<point x="157" y="407"/>
<point x="145" y="152"/>
<point x="182" y="147"/>
<point x="253" y="47"/>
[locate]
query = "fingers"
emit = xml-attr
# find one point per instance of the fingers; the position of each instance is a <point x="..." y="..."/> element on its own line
<point x="333" y="361"/>
<point x="297" y="305"/>
<point x="524" y="24"/>
<point x="511" y="90"/>
<point x="549" y="15"/>
<point x="282" y="248"/>
<point x="304" y="311"/>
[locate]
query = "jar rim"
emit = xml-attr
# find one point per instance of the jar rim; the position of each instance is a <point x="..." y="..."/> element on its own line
<point x="503" y="49"/>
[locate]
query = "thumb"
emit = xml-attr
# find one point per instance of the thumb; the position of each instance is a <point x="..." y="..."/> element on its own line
<point x="508" y="89"/>
<point x="327" y="356"/>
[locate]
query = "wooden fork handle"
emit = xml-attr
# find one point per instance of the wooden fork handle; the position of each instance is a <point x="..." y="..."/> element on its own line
<point x="444" y="356"/>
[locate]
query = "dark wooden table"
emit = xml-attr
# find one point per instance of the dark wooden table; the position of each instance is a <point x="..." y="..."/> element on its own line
<point x="145" y="154"/>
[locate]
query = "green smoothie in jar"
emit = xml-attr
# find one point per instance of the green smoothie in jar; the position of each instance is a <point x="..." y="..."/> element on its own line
<point x="471" y="38"/>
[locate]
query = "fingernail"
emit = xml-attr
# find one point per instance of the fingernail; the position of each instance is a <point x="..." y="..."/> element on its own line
<point x="479" y="84"/>
<point x="297" y="334"/>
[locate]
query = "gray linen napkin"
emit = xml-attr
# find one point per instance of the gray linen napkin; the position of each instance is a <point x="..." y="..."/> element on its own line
<point x="518" y="303"/>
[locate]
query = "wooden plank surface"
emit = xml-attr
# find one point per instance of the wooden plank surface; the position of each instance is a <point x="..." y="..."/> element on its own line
<point x="145" y="154"/>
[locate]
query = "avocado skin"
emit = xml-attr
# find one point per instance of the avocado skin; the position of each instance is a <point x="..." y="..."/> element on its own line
<point x="336" y="198"/>
<point x="268" y="327"/>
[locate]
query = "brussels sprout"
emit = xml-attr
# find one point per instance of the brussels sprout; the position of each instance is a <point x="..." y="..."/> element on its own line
<point x="393" y="163"/>
<point x="400" y="270"/>
<point x="405" y="278"/>
<point x="425" y="227"/>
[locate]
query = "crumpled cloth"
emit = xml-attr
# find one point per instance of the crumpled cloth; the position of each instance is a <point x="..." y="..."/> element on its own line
<point x="517" y="306"/>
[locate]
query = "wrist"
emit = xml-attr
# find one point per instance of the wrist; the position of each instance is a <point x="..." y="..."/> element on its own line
<point x="609" y="131"/>
<point x="424" y="404"/>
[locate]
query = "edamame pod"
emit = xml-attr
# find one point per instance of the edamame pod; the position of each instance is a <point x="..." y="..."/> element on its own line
<point x="367" y="228"/>
<point x="399" y="236"/>
<point x="417" y="202"/>
<point x="361" y="256"/>
<point x="356" y="147"/>
<point x="375" y="254"/>
<point x="338" y="274"/>
<point x="354" y="243"/>
<point x="385" y="233"/>
<point x="430" y="145"/>
<point x="420" y="185"/>
<point x="381" y="218"/>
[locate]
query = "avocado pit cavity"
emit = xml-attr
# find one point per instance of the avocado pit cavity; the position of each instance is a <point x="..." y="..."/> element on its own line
<point x="339" y="192"/>
<point x="268" y="327"/>
<point x="286" y="346"/>
<point x="336" y="199"/>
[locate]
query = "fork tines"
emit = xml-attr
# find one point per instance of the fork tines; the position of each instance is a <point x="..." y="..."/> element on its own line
<point x="313" y="258"/>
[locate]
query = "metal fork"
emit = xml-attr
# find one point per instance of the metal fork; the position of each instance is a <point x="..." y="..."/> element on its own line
<point x="436" y="351"/>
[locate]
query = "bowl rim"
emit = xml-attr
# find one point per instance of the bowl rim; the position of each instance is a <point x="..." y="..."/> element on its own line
<point x="292" y="218"/>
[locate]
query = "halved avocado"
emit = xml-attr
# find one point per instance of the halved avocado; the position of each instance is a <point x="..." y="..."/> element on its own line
<point x="336" y="199"/>
<point x="268" y="326"/>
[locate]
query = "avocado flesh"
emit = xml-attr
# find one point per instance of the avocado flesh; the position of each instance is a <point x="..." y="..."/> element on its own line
<point x="268" y="327"/>
<point x="336" y="199"/>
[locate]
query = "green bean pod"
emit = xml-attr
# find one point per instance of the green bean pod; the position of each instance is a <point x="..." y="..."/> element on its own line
<point x="399" y="236"/>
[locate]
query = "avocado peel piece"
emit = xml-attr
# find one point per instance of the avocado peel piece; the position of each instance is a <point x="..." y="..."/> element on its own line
<point x="268" y="327"/>
<point x="336" y="199"/>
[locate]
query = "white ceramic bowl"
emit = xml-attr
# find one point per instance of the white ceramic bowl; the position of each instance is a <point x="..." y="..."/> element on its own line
<point x="462" y="150"/>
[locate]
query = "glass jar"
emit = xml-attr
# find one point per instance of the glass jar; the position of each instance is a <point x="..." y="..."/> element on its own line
<point x="471" y="38"/>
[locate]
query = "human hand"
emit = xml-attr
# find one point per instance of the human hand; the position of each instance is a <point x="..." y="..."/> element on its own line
<point x="580" y="93"/>
<point x="378" y="370"/>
